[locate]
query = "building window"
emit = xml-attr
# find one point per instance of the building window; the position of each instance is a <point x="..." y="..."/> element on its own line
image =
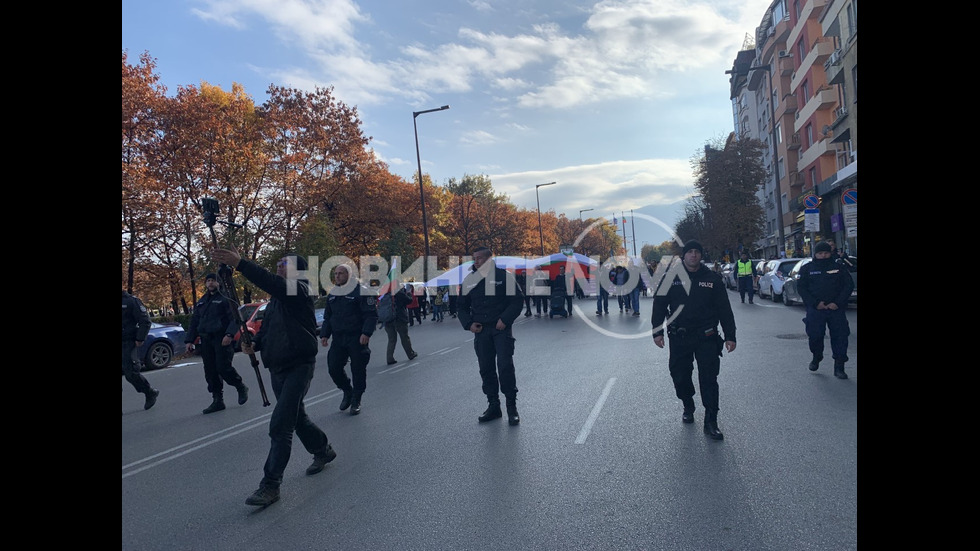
<point x="813" y="177"/>
<point x="779" y="134"/>
<point x="780" y="169"/>
<point x="805" y="91"/>
<point x="801" y="49"/>
<point x="809" y="135"/>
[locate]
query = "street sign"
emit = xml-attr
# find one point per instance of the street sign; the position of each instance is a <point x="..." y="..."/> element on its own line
<point x="811" y="201"/>
<point x="849" y="197"/>
<point x="811" y="218"/>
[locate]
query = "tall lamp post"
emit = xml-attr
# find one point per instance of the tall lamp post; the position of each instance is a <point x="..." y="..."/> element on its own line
<point x="780" y="246"/>
<point x="540" y="234"/>
<point x="425" y="225"/>
<point x="580" y="213"/>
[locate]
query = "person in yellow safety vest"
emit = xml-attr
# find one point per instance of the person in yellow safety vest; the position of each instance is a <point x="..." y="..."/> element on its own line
<point x="745" y="269"/>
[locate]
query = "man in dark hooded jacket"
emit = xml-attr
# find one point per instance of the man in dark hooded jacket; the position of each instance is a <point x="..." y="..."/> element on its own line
<point x="288" y="343"/>
<point x="825" y="286"/>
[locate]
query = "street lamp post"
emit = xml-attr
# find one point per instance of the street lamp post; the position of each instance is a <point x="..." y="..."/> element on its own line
<point x="425" y="225"/>
<point x="580" y="213"/>
<point x="540" y="234"/>
<point x="780" y="246"/>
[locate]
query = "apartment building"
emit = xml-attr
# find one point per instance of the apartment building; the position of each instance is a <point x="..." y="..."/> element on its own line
<point x="802" y="77"/>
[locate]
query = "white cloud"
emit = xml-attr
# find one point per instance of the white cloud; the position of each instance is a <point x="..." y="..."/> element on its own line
<point x="477" y="137"/>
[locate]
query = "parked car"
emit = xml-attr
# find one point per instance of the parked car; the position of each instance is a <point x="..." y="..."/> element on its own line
<point x="161" y="345"/>
<point x="729" y="275"/>
<point x="776" y="271"/>
<point x="760" y="270"/>
<point x="791" y="294"/>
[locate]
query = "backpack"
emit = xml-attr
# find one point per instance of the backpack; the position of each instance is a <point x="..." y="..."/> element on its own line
<point x="386" y="308"/>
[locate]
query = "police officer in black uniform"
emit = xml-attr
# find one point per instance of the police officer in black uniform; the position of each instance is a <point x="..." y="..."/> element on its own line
<point x="489" y="302"/>
<point x="825" y="285"/>
<point x="135" y="328"/>
<point x="215" y="322"/>
<point x="693" y="316"/>
<point x="350" y="317"/>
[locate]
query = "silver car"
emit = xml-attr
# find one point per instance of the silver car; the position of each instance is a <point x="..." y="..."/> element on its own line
<point x="776" y="272"/>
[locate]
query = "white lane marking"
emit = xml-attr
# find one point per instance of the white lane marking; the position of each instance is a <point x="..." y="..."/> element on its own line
<point x="450" y="350"/>
<point x="214" y="437"/>
<point x="595" y="412"/>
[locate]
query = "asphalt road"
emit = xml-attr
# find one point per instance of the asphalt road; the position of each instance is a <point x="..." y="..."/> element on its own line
<point x="600" y="460"/>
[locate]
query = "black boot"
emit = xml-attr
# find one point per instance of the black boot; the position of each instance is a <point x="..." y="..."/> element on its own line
<point x="151" y="398"/>
<point x="242" y="394"/>
<point x="355" y="404"/>
<point x="321" y="460"/>
<point x="711" y="425"/>
<point x="815" y="363"/>
<point x="217" y="404"/>
<point x="688" y="415"/>
<point x="839" y="370"/>
<point x="348" y="396"/>
<point x="492" y="412"/>
<point x="513" y="418"/>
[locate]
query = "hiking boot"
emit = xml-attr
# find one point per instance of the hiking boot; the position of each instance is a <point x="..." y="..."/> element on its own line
<point x="513" y="418"/>
<point x="217" y="404"/>
<point x="839" y="370"/>
<point x="151" y="398"/>
<point x="320" y="461"/>
<point x="242" y="394"/>
<point x="345" y="402"/>
<point x="413" y="356"/>
<point x="264" y="496"/>
<point x="814" y="364"/>
<point x="355" y="405"/>
<point x="711" y="426"/>
<point x="492" y="412"/>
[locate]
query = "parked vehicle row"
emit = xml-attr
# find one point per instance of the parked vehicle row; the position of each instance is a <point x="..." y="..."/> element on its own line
<point x="774" y="275"/>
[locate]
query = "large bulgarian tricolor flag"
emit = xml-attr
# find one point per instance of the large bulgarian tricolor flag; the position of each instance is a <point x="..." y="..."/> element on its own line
<point x="391" y="286"/>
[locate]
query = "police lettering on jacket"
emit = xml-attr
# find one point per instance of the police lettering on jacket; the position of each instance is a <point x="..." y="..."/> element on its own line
<point x="703" y="306"/>
<point x="824" y="280"/>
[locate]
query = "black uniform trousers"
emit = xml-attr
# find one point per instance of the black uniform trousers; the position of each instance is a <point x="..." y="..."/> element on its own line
<point x="290" y="387"/>
<point x="347" y="346"/>
<point x="217" y="363"/>
<point x="495" y="356"/>
<point x="527" y="304"/>
<point x="746" y="285"/>
<point x="131" y="367"/>
<point x="817" y="323"/>
<point x="683" y="353"/>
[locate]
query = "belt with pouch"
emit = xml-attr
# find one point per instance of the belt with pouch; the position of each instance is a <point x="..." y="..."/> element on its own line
<point x="684" y="332"/>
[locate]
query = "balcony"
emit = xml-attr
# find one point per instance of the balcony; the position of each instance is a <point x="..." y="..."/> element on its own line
<point x="775" y="39"/>
<point x="825" y="98"/>
<point x="794" y="141"/>
<point x="786" y="107"/>
<point x="819" y="149"/>
<point x="839" y="115"/>
<point x="834" y="67"/>
<point x="784" y="65"/>
<point x="822" y="48"/>
<point x="796" y="179"/>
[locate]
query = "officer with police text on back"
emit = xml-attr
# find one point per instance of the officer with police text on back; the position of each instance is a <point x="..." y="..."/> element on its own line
<point x="693" y="316"/>
<point x="350" y="317"/>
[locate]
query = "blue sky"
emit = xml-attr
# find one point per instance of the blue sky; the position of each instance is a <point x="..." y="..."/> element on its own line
<point x="610" y="99"/>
